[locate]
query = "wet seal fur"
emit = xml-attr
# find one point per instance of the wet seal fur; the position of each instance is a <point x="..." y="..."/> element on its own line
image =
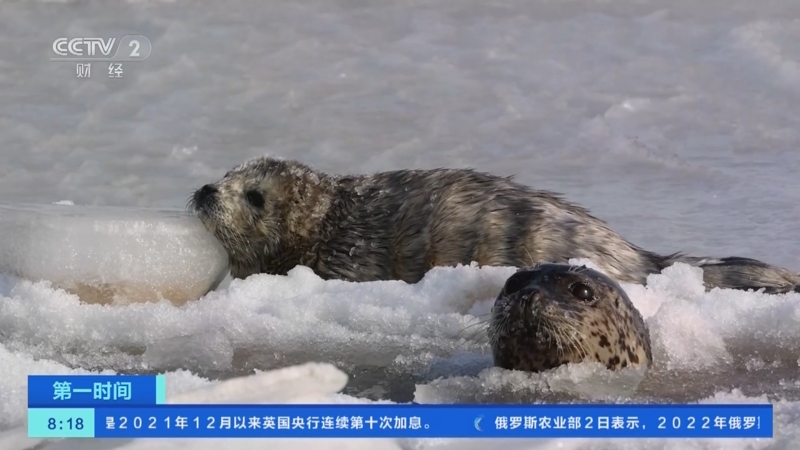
<point x="554" y="314"/>
<point x="272" y="215"/>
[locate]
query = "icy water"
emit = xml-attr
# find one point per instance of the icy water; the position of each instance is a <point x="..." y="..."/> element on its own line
<point x="675" y="121"/>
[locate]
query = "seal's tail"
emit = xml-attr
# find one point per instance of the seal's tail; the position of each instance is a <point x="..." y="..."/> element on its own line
<point x="741" y="273"/>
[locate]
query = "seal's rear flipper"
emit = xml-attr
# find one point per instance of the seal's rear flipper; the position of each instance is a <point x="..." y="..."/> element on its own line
<point x="742" y="273"/>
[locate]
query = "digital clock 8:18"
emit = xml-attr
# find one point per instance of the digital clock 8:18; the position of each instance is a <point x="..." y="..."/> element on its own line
<point x="60" y="422"/>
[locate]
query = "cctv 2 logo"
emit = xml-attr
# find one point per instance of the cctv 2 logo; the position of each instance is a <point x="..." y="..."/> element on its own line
<point x="130" y="48"/>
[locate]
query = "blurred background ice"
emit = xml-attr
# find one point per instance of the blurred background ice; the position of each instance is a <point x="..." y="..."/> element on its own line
<point x="675" y="121"/>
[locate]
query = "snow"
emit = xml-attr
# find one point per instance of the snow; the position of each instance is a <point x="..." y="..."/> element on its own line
<point x="389" y="334"/>
<point x="675" y="121"/>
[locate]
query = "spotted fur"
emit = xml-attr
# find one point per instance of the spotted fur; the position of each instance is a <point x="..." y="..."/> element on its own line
<point x="272" y="215"/>
<point x="539" y="323"/>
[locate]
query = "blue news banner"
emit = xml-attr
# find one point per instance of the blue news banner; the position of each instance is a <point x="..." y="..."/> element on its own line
<point x="133" y="406"/>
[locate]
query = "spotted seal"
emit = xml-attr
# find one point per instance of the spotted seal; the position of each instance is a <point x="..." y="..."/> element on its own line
<point x="272" y="215"/>
<point x="554" y="314"/>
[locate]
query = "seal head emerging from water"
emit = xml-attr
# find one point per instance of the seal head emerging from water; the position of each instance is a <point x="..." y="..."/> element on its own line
<point x="554" y="314"/>
<point x="272" y="215"/>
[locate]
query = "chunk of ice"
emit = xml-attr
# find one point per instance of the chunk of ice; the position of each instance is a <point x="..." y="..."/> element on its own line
<point x="107" y="255"/>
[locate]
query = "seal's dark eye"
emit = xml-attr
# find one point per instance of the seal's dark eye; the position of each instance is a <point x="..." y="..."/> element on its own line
<point x="255" y="198"/>
<point x="582" y="291"/>
<point x="514" y="284"/>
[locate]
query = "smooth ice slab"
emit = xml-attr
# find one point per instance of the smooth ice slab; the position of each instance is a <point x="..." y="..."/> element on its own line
<point x="111" y="255"/>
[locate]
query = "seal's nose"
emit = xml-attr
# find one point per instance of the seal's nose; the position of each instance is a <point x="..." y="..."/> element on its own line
<point x="529" y="295"/>
<point x="529" y="290"/>
<point x="204" y="195"/>
<point x="530" y="298"/>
